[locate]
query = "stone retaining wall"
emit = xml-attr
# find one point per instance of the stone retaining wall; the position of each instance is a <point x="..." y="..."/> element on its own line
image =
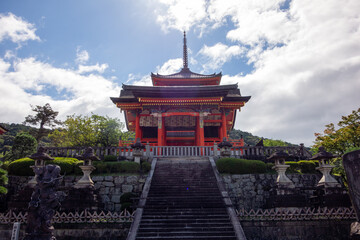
<point x="109" y="188"/>
<point x="250" y="191"/>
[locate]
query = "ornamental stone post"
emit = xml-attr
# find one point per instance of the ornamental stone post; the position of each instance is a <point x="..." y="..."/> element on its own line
<point x="284" y="184"/>
<point x="138" y="149"/>
<point x="325" y="168"/>
<point x="39" y="157"/>
<point x="225" y="148"/>
<point x="88" y="157"/>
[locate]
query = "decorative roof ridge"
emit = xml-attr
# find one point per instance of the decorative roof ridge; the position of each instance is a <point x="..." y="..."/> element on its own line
<point x="125" y="86"/>
<point x="183" y="72"/>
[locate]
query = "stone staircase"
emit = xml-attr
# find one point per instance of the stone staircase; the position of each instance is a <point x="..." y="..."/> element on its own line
<point x="184" y="202"/>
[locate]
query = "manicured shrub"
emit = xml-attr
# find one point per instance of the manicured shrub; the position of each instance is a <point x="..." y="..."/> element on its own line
<point x="270" y="168"/>
<point x="302" y="167"/>
<point x="145" y="166"/>
<point x="67" y="165"/>
<point x="110" y="158"/>
<point x="307" y="167"/>
<point x="128" y="197"/>
<point x="128" y="167"/>
<point x="240" y="166"/>
<point x="294" y="167"/>
<point x="21" y="167"/>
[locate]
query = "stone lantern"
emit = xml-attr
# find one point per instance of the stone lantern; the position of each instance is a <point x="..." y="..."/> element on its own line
<point x="284" y="184"/>
<point x="325" y="168"/>
<point x="138" y="150"/>
<point x="225" y="148"/>
<point x="39" y="157"/>
<point x="88" y="157"/>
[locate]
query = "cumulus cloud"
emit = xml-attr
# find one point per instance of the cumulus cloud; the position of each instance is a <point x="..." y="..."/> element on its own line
<point x="181" y="14"/>
<point x="171" y="66"/>
<point x="28" y="80"/>
<point x="82" y="56"/>
<point x="100" y="68"/>
<point x="219" y="54"/>
<point x="16" y="29"/>
<point x="306" y="62"/>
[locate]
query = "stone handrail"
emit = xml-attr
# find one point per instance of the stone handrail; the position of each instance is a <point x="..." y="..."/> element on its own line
<point x="248" y="152"/>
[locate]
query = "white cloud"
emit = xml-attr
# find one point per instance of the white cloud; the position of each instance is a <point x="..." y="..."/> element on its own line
<point x="181" y="14"/>
<point x="16" y="29"/>
<point x="82" y="56"/>
<point x="93" y="68"/>
<point x="27" y="81"/>
<point x="219" y="54"/>
<point x="306" y="62"/>
<point x="171" y="66"/>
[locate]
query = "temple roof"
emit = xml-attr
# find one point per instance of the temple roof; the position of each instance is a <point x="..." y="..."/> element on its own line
<point x="131" y="93"/>
<point x="186" y="73"/>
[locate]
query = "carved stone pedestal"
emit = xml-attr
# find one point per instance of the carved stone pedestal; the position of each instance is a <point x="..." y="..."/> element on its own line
<point x="137" y="154"/>
<point x="327" y="180"/>
<point x="85" y="181"/>
<point x="32" y="183"/>
<point x="284" y="184"/>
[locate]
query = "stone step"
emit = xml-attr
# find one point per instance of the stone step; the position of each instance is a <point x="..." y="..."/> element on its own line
<point x="189" y="237"/>
<point x="177" y="229"/>
<point x="187" y="233"/>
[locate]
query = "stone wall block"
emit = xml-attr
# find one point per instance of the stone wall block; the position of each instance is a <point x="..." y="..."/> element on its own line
<point x="97" y="178"/>
<point x="119" y="180"/>
<point x="109" y="178"/>
<point x="131" y="179"/>
<point x="115" y="198"/>
<point x="127" y="188"/>
<point x="108" y="184"/>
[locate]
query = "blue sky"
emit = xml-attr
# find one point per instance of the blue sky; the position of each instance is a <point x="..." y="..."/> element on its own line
<point x="299" y="60"/>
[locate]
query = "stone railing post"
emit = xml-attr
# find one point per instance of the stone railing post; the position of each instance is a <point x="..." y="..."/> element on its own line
<point x="147" y="148"/>
<point x="215" y="149"/>
<point x="137" y="150"/>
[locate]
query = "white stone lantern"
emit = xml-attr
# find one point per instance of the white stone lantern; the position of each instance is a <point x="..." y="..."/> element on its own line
<point x="325" y="168"/>
<point x="88" y="157"/>
<point x="284" y="184"/>
<point x="39" y="157"/>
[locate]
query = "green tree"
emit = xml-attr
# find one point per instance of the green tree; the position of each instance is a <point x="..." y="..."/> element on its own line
<point x="24" y="145"/>
<point x="91" y="130"/>
<point x="44" y="116"/>
<point x="341" y="140"/>
<point x="338" y="141"/>
<point x="3" y="181"/>
<point x="276" y="143"/>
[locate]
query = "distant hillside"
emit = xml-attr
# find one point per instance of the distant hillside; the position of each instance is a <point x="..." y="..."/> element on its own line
<point x="252" y="140"/>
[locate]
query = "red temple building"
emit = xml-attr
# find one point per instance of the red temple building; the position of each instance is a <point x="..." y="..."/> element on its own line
<point x="181" y="109"/>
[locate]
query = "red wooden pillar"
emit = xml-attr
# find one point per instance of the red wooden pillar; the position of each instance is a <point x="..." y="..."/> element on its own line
<point x="160" y="131"/>
<point x="223" y="125"/>
<point x="137" y="127"/>
<point x="201" y="130"/>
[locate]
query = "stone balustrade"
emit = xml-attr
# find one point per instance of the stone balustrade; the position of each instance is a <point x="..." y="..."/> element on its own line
<point x="248" y="152"/>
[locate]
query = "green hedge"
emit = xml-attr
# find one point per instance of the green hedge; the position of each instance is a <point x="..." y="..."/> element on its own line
<point x="145" y="166"/>
<point x="110" y="158"/>
<point x="240" y="166"/>
<point x="21" y="167"/>
<point x="302" y="167"/>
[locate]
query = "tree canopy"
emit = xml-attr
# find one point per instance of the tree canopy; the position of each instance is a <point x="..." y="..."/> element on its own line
<point x="24" y="145"/>
<point x="45" y="116"/>
<point x="94" y="130"/>
<point x="341" y="139"/>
